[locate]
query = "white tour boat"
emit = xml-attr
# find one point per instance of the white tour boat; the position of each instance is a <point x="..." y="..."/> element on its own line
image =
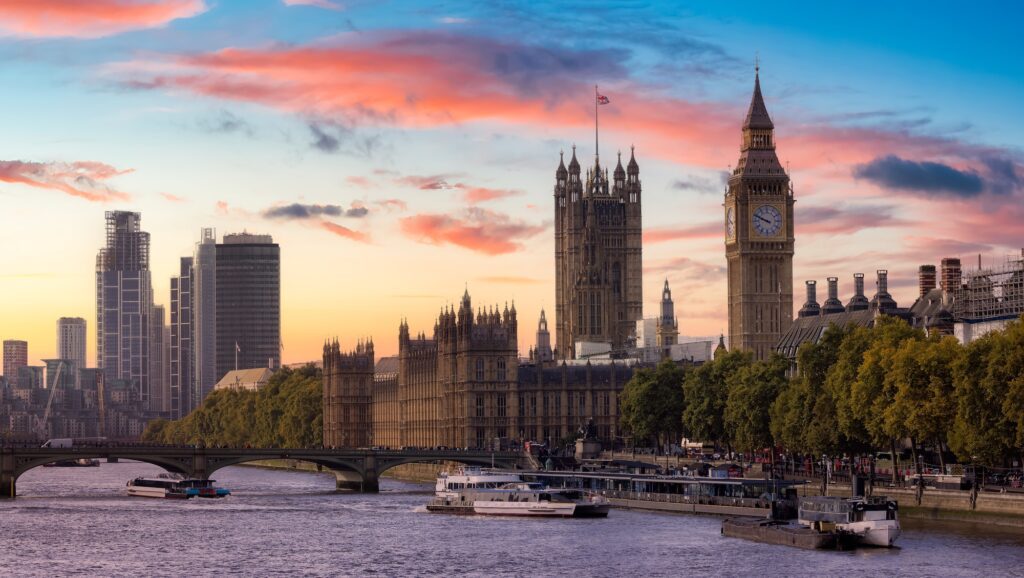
<point x="162" y="486"/>
<point x="871" y="521"/>
<point x="474" y="491"/>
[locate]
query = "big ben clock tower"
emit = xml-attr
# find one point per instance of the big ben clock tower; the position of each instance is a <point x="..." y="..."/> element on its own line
<point x="759" y="238"/>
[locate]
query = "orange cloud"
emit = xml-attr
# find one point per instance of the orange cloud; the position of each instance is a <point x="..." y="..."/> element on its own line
<point x="475" y="195"/>
<point x="430" y="79"/>
<point x="91" y="18"/>
<point x="82" y="179"/>
<point x="344" y="232"/>
<point x="476" y="229"/>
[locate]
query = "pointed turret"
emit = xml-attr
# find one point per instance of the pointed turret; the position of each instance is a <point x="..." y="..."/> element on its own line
<point x="560" y="172"/>
<point x="620" y="173"/>
<point x="574" y="165"/>
<point x="632" y="168"/>
<point x="757" y="114"/>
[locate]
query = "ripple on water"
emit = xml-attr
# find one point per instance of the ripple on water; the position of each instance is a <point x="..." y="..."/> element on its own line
<point x="79" y="521"/>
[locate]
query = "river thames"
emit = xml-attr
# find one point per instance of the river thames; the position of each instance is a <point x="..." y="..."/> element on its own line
<point x="79" y="521"/>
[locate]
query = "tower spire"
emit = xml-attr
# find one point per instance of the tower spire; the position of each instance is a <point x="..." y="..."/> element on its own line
<point x="597" y="141"/>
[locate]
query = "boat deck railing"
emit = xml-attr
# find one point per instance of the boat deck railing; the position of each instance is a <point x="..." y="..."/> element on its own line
<point x="684" y="499"/>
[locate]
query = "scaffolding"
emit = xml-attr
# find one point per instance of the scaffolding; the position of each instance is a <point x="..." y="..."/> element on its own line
<point x="991" y="293"/>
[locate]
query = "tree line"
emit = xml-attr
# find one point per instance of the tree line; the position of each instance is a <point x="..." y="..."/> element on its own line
<point x="286" y="413"/>
<point x="857" y="390"/>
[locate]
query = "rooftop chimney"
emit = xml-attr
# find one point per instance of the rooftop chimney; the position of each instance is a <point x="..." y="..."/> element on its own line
<point x="858" y="302"/>
<point x="925" y="279"/>
<point x="882" y="300"/>
<point x="951" y="274"/>
<point x="832" y="304"/>
<point x="810" y="308"/>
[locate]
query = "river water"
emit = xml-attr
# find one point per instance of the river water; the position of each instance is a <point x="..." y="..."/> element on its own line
<point x="79" y="521"/>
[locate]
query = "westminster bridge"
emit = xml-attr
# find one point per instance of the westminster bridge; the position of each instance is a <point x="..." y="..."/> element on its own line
<point x="355" y="469"/>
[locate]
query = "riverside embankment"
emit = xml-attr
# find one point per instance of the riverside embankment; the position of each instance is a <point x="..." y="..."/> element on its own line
<point x="1005" y="510"/>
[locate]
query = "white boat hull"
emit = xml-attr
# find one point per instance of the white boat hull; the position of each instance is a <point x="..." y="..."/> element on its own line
<point x="882" y="533"/>
<point x="143" y="492"/>
<point x="496" y="508"/>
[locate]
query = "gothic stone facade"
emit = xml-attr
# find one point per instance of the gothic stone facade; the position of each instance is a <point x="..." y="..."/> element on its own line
<point x="759" y="238"/>
<point x="598" y="263"/>
<point x="347" y="389"/>
<point x="464" y="387"/>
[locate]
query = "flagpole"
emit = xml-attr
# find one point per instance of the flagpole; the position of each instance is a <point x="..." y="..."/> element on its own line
<point x="597" y="154"/>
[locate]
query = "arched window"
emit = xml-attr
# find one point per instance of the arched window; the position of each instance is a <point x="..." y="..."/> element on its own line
<point x="480" y="369"/>
<point x="501" y="369"/>
<point x="616" y="278"/>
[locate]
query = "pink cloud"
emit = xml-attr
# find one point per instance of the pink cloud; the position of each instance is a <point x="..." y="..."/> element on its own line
<point x="475" y="229"/>
<point x="84" y="179"/>
<point x="359" y="181"/>
<point x="390" y="205"/>
<point x="344" y="232"/>
<point x="474" y="195"/>
<point x="428" y="79"/>
<point x="172" y="198"/>
<point x="91" y="18"/>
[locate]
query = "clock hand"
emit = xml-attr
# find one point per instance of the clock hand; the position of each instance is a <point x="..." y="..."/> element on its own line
<point x="763" y="219"/>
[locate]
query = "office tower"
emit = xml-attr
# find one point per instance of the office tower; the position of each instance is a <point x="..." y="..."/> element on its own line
<point x="248" y="308"/>
<point x="204" y="315"/>
<point x="124" y="302"/>
<point x="71" y="340"/>
<point x="180" y="347"/>
<point x="15" y="357"/>
<point x="160" y="399"/>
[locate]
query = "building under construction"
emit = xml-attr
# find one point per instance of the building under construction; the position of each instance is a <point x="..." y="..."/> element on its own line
<point x="985" y="299"/>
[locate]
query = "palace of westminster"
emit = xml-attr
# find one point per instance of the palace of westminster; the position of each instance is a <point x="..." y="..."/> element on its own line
<point x="464" y="385"/>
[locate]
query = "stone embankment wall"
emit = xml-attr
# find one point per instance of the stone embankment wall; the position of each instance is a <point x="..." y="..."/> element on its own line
<point x="1000" y="509"/>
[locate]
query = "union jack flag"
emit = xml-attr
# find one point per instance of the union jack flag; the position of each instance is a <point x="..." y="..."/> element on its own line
<point x="602" y="99"/>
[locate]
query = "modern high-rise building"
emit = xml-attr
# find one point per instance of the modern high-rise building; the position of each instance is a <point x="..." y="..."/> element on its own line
<point x="124" y="302"/>
<point x="159" y="386"/>
<point x="204" y="315"/>
<point x="248" y="308"/>
<point x="598" y="255"/>
<point x="15" y="357"/>
<point x="759" y="238"/>
<point x="180" y="348"/>
<point x="71" y="334"/>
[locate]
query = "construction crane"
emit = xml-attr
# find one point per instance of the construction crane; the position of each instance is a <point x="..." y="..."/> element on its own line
<point x="41" y="423"/>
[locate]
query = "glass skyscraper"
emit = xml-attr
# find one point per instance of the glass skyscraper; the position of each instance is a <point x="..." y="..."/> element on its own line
<point x="124" y="299"/>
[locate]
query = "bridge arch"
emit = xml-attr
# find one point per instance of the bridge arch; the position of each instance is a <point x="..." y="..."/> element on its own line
<point x="169" y="464"/>
<point x="348" y="473"/>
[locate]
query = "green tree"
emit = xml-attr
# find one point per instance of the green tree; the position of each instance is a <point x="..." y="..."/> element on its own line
<point x="287" y="412"/>
<point x="921" y="378"/>
<point x="652" y="403"/>
<point x="752" y="389"/>
<point x="706" y="390"/>
<point x="987" y="381"/>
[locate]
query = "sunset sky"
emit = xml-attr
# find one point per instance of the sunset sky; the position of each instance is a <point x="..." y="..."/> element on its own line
<point x="400" y="151"/>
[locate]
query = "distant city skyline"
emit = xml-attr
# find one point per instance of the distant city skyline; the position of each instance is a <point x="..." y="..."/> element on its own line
<point x="387" y="197"/>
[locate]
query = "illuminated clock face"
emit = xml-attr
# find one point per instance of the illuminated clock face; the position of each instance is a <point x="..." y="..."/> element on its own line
<point x="767" y="221"/>
<point x="730" y="223"/>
